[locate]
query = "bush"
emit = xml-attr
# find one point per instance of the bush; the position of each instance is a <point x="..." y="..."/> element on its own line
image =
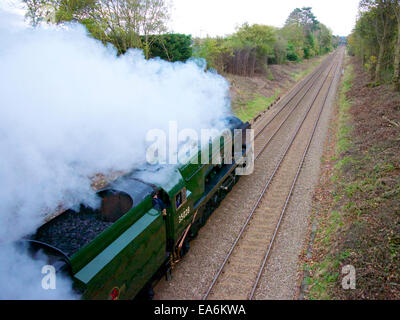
<point x="170" y="47"/>
<point x="280" y="51"/>
<point x="291" y="53"/>
<point x="307" y="53"/>
<point x="216" y="51"/>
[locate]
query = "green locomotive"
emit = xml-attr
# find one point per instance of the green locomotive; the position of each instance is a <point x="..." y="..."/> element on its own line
<point x="121" y="249"/>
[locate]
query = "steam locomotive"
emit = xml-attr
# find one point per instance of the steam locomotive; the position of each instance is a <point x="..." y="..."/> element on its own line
<point x="121" y="249"/>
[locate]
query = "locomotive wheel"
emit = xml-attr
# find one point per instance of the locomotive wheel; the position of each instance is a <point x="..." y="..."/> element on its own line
<point x="150" y="294"/>
<point x="237" y="178"/>
<point x="185" y="248"/>
<point x="146" y="294"/>
<point x="194" y="231"/>
<point x="216" y="199"/>
<point x="203" y="220"/>
<point x="209" y="210"/>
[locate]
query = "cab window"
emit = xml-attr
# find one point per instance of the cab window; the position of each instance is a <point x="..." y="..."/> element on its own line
<point x="181" y="198"/>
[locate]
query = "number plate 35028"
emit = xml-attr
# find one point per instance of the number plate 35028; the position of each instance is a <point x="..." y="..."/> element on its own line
<point x="184" y="215"/>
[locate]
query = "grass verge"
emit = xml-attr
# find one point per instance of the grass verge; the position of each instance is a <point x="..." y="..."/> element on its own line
<point x="325" y="271"/>
<point x="358" y="209"/>
<point x="254" y="107"/>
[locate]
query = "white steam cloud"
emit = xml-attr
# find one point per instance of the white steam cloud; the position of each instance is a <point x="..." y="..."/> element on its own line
<point x="70" y="108"/>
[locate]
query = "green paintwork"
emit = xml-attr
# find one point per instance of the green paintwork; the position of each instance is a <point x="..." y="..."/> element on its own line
<point x="87" y="273"/>
<point x="94" y="248"/>
<point x="131" y="251"/>
<point x="129" y="261"/>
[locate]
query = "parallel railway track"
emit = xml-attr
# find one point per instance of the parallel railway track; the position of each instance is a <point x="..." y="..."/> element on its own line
<point x="241" y="271"/>
<point x="291" y="97"/>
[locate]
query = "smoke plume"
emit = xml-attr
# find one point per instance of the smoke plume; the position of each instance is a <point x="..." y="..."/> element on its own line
<point x="69" y="109"/>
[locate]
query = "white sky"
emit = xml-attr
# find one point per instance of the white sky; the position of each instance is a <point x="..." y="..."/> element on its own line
<point x="219" y="17"/>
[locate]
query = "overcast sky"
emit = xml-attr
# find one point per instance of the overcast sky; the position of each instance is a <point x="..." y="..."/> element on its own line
<point x="219" y="17"/>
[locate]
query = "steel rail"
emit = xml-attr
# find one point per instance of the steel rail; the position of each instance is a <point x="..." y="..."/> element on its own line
<point x="292" y="111"/>
<point x="313" y="77"/>
<point x="266" y="186"/>
<point x="267" y="254"/>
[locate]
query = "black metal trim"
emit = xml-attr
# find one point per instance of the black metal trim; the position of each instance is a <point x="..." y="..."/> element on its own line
<point x="48" y="246"/>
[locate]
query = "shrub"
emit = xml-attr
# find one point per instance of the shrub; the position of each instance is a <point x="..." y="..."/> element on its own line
<point x="291" y="53"/>
<point x="171" y="47"/>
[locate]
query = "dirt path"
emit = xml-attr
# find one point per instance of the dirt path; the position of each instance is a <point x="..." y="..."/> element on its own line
<point x="192" y="277"/>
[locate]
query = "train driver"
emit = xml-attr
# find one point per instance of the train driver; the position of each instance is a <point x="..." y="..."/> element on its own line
<point x="159" y="205"/>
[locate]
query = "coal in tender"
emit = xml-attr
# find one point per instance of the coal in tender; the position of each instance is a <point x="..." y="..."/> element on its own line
<point x="72" y="231"/>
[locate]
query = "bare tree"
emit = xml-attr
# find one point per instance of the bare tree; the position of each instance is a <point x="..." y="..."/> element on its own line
<point x="154" y="14"/>
<point x="382" y="10"/>
<point x="124" y="21"/>
<point x="396" y="73"/>
<point x="35" y="10"/>
<point x="120" y="22"/>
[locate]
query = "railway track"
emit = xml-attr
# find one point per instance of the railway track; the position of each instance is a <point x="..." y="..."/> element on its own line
<point x="292" y="97"/>
<point x="192" y="277"/>
<point x="242" y="269"/>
